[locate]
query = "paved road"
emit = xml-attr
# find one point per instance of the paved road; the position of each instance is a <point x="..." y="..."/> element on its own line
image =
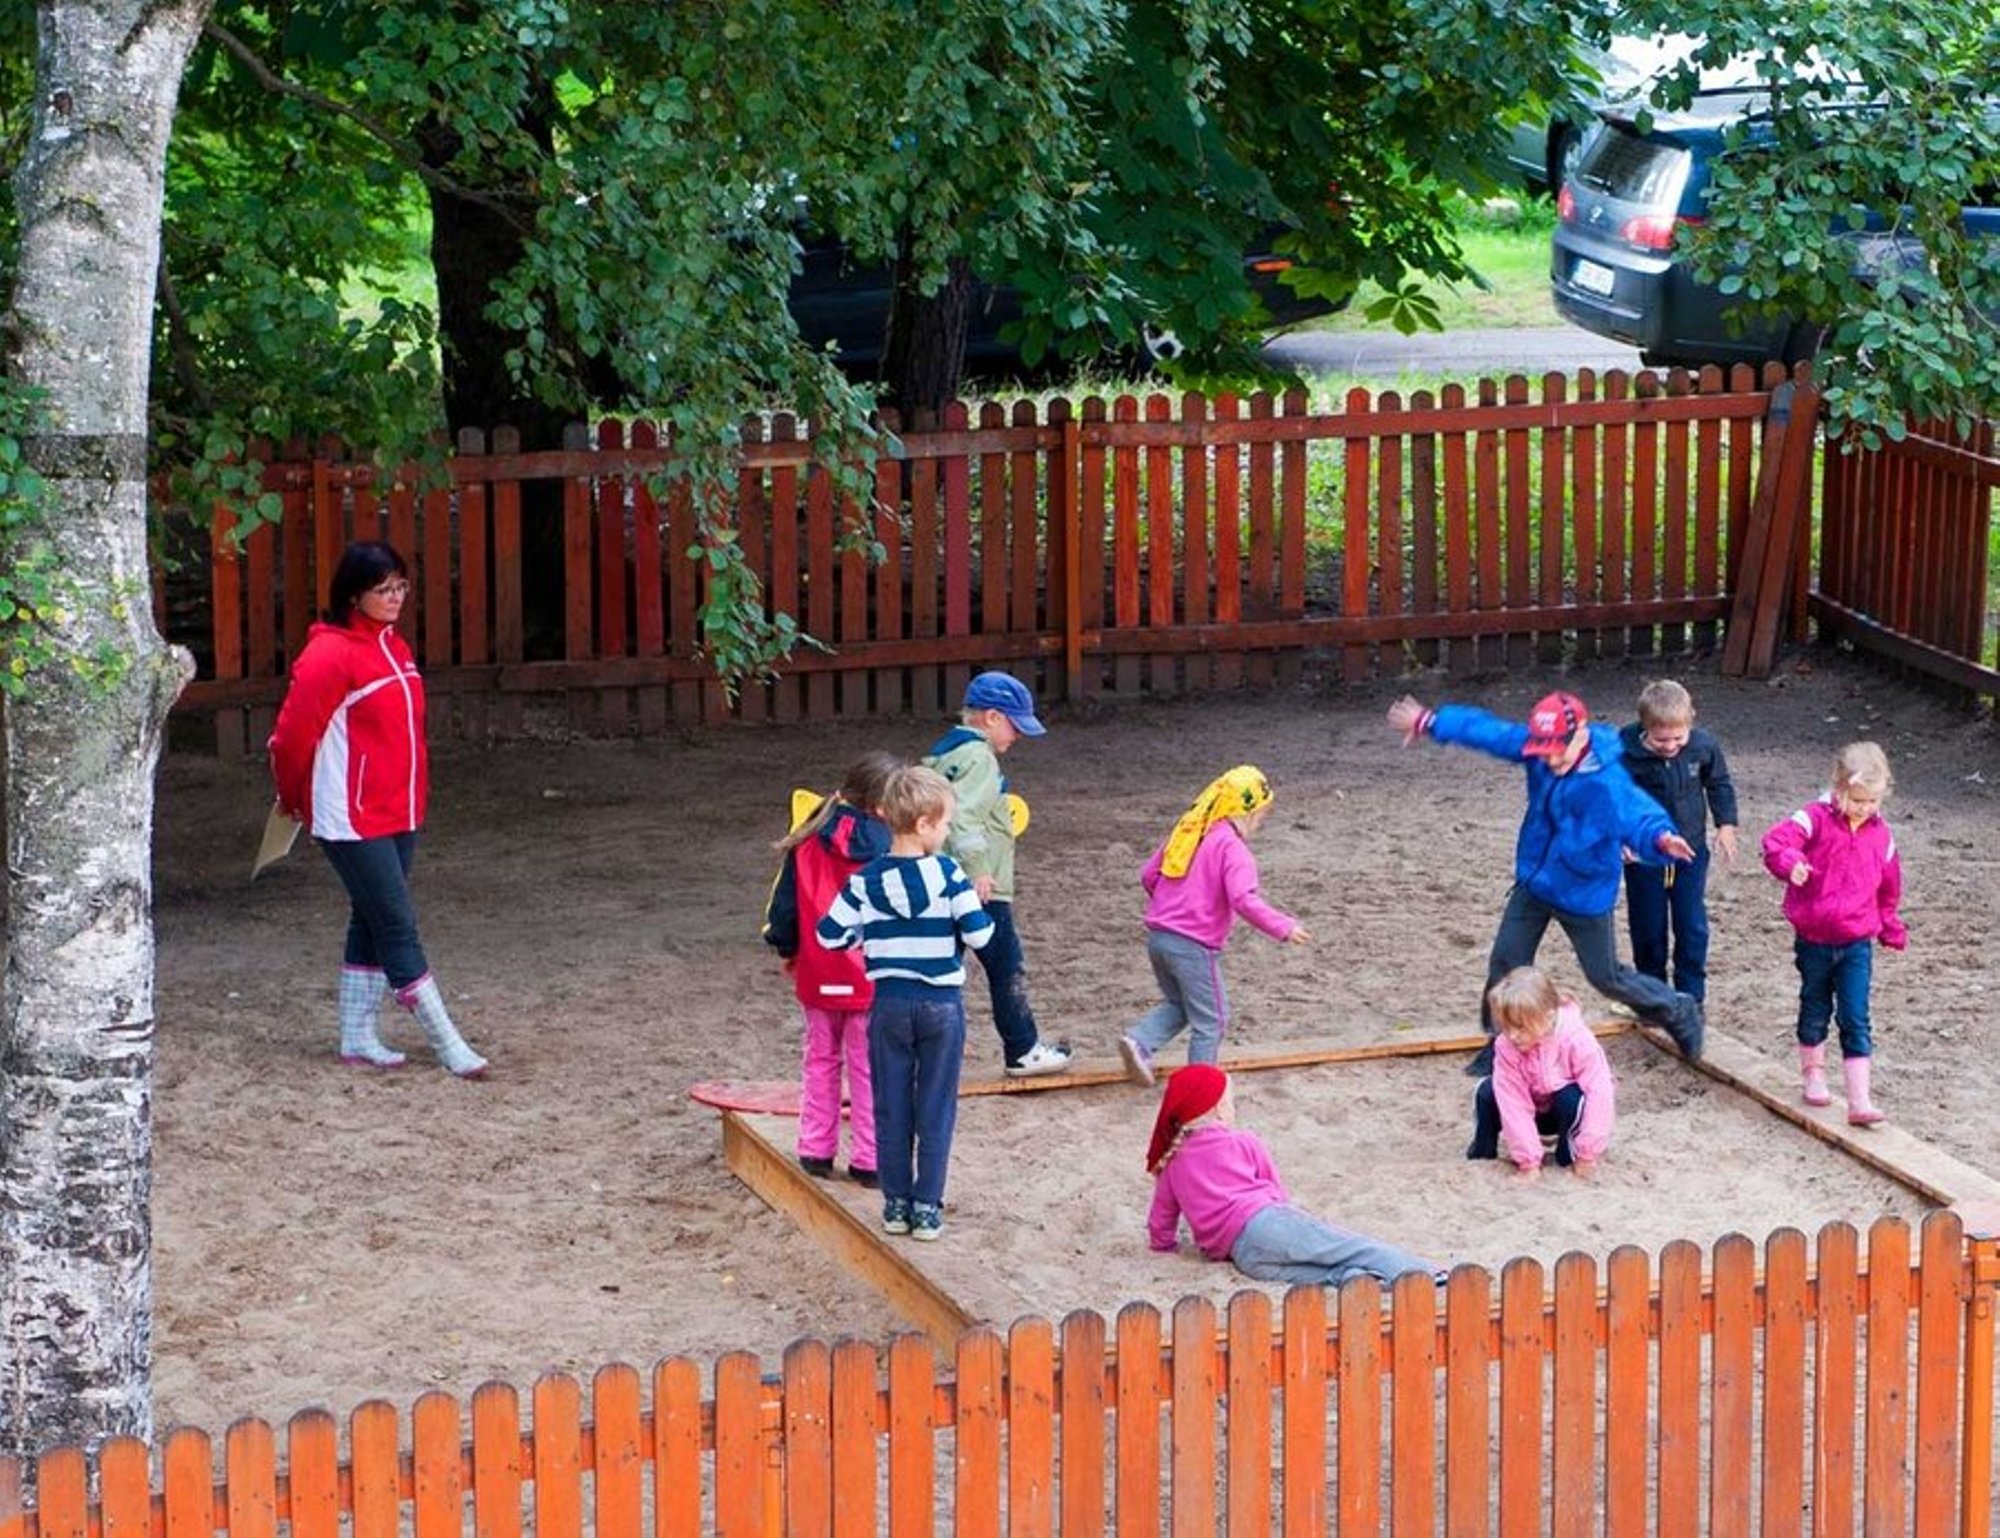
<point x="1385" y="354"/>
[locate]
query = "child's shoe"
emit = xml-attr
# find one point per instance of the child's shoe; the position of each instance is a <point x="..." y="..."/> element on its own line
<point x="1812" y="1075"/>
<point x="895" y="1216"/>
<point x="862" y="1176"/>
<point x="1861" y="1111"/>
<point x="1688" y="1025"/>
<point x="926" y="1221"/>
<point x="1039" y="1059"/>
<point x="821" y="1169"/>
<point x="1138" y="1061"/>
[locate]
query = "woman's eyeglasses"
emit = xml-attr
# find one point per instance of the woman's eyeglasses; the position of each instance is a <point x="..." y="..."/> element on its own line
<point x="395" y="588"/>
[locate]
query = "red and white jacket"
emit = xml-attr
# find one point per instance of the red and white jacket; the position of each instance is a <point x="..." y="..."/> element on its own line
<point x="348" y="751"/>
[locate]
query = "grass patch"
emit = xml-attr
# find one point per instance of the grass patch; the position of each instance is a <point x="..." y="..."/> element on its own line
<point x="1506" y="241"/>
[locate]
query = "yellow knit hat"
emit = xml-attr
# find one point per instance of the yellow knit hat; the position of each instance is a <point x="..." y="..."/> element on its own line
<point x="1242" y="790"/>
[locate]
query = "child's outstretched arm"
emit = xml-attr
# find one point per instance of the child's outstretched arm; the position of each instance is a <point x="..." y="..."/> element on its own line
<point x="1239" y="888"/>
<point x="1644" y="826"/>
<point x="1466" y="726"/>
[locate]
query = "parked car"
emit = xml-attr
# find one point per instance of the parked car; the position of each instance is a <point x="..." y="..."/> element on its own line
<point x="844" y="303"/>
<point x="1542" y="147"/>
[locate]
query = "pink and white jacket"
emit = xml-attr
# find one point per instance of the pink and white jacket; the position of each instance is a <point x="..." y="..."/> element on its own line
<point x="348" y="751"/>
<point x="1856" y="882"/>
<point x="1219" y="888"/>
<point x="1219" y="1178"/>
<point x="1525" y="1082"/>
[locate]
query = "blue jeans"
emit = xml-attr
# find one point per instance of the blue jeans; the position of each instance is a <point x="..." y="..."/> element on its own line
<point x="1007" y="984"/>
<point x="1833" y="981"/>
<point x="382" y="925"/>
<point x="1190" y="979"/>
<point x="1559" y="1120"/>
<point x="916" y="1040"/>
<point x="1670" y="904"/>
<point x="1283" y="1244"/>
<point x="1594" y="937"/>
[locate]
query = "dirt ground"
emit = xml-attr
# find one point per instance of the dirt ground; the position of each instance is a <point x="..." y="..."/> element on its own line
<point x="326" y="1235"/>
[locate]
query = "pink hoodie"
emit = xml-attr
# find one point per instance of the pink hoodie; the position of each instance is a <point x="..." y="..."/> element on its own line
<point x="1524" y="1082"/>
<point x="1856" y="881"/>
<point x="1220" y="887"/>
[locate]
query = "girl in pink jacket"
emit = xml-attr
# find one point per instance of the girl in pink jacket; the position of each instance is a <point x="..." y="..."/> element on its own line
<point x="1550" y="1079"/>
<point x="1843" y="882"/>
<point x="1221" y="1179"/>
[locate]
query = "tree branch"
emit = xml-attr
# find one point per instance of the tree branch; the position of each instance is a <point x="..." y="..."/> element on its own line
<point x="279" y="85"/>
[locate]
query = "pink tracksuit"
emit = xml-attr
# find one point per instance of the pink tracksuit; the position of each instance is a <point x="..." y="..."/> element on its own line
<point x="1523" y="1083"/>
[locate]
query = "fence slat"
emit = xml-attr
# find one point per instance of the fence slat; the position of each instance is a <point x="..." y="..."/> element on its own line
<point x="649" y="575"/>
<point x="558" y="1465"/>
<point x="1834" y="1356"/>
<point x="981" y="1365"/>
<point x="1573" y="1440"/>
<point x="1468" y="1444"/>
<point x="187" y="1486"/>
<point x="376" y="1457"/>
<point x="1731" y="1386"/>
<point x="1084" y="1406"/>
<point x="250" y="1478"/>
<point x="1885" y="1487"/>
<point x="1195" y="1382"/>
<point x="1627" y="1404"/>
<point x="438" y="1472"/>
<point x="125" y="1490"/>
<point x="1941" y="1297"/>
<point x="1784" y="1446"/>
<point x="1247" y="1434"/>
<point x="1159" y="544"/>
<point x="617" y="1468"/>
<point x="1228" y="542"/>
<point x="62" y="1483"/>
<point x="1519" y="1448"/>
<point x="1125" y="607"/>
<point x="1678" y="1478"/>
<point x="912" y="1438"/>
<point x="1412" y="1406"/>
<point x="1355" y="543"/>
<point x="1261" y="598"/>
<point x="808" y="1375"/>
<point x="1358" y="1488"/>
<point x="1198" y="669"/>
<point x="1305" y="1430"/>
<point x="498" y="1463"/>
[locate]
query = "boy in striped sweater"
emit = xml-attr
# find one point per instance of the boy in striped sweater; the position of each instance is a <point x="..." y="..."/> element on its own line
<point x="912" y="912"/>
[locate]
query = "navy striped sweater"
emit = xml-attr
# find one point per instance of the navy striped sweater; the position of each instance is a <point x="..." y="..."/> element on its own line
<point x="910" y="914"/>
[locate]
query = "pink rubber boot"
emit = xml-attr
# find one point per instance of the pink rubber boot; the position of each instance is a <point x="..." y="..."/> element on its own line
<point x="1861" y="1111"/>
<point x="1812" y="1064"/>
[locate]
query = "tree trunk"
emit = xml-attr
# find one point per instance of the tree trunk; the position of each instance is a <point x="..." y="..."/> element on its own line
<point x="923" y="360"/>
<point x="76" y="1007"/>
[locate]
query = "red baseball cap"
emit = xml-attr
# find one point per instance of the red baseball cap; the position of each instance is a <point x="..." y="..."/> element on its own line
<point x="1553" y="722"/>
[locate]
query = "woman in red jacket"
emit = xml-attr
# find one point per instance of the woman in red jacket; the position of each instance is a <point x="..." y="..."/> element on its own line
<point x="350" y="762"/>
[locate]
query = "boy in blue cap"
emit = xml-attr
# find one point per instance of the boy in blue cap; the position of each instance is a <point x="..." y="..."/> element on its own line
<point x="999" y="711"/>
<point x="1583" y="814"/>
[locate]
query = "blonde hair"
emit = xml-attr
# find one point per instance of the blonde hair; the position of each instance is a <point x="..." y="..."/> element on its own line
<point x="913" y="793"/>
<point x="1863" y="764"/>
<point x="1665" y="702"/>
<point x="861" y="788"/>
<point x="1525" y="996"/>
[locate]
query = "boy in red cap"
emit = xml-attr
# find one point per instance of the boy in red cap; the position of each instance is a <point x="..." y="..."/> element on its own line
<point x="1583" y="814"/>
<point x="1222" y="1180"/>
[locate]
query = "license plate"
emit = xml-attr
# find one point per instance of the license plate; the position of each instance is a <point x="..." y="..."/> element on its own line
<point x="1593" y="278"/>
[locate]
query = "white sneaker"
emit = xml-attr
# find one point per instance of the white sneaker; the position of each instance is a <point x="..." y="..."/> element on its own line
<point x="1039" y="1059"/>
<point x="1138" y="1061"/>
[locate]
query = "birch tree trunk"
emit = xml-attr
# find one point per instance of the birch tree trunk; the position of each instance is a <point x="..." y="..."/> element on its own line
<point x="76" y="1006"/>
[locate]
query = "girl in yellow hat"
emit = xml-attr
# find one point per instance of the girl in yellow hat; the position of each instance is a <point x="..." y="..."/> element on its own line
<point x="1198" y="883"/>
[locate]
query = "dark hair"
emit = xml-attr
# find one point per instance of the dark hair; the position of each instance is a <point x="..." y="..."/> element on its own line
<point x="364" y="564"/>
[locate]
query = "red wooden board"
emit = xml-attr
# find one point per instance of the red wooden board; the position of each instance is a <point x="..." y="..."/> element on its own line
<point x="771" y="1097"/>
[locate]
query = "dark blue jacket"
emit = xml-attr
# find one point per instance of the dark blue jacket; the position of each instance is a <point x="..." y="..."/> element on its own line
<point x="1691" y="785"/>
<point x="1570" y="852"/>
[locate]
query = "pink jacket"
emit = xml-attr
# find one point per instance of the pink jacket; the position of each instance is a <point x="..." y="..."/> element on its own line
<point x="1220" y="886"/>
<point x="1218" y="1179"/>
<point x="1856" y="881"/>
<point x="1524" y="1082"/>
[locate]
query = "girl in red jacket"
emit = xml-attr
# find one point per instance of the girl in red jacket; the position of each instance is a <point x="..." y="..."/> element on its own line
<point x="1843" y="883"/>
<point x="840" y="835"/>
<point x="350" y="762"/>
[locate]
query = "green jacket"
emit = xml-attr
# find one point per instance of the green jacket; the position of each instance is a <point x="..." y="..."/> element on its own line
<point x="982" y="832"/>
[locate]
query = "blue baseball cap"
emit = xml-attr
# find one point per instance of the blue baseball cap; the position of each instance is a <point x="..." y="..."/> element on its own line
<point x="1008" y="695"/>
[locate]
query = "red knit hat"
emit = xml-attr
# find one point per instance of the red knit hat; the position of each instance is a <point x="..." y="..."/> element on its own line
<point x="1192" y="1091"/>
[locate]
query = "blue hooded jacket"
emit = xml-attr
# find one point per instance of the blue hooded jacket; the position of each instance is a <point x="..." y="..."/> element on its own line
<point x="1570" y="852"/>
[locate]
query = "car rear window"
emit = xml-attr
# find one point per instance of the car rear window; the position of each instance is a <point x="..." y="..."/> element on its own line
<point x="1633" y="169"/>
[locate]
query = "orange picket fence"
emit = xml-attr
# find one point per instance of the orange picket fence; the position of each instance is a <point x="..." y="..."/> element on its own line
<point x="1816" y="1387"/>
<point x="1116" y="547"/>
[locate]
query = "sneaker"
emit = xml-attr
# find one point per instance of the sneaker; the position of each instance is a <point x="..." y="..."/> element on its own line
<point x="926" y="1221"/>
<point x="1138" y="1061"/>
<point x="862" y="1176"/>
<point x="895" y="1216"/>
<point x="1481" y="1065"/>
<point x="1039" y="1059"/>
<point x="822" y="1168"/>
<point x="1688" y="1025"/>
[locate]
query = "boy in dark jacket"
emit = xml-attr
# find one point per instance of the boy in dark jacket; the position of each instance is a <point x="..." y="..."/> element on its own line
<point x="1583" y="814"/>
<point x="1682" y="767"/>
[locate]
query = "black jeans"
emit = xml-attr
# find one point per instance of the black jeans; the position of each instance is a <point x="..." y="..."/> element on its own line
<point x="1595" y="940"/>
<point x="1560" y="1119"/>
<point x="382" y="926"/>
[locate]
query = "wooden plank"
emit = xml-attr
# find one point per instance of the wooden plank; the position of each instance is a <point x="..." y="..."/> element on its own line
<point x="887" y="684"/>
<point x="1644" y="579"/>
<point x="739" y="1444"/>
<point x="1732" y="1371"/>
<point x="926" y="562"/>
<point x="1092" y="494"/>
<point x="1195" y="1380"/>
<point x="1247" y="1430"/>
<point x="856" y="1486"/>
<point x="1195" y="608"/>
<point x="1260" y="599"/>
<point x="125" y="1492"/>
<point x="250" y="1482"/>
<point x="752" y="1159"/>
<point x="1942" y="1293"/>
<point x="1413" y="1429"/>
<point x="1886" y="1422"/>
<point x="557" y="1469"/>
<point x="1083" y="1416"/>
<point x="1356" y="545"/>
<point x="1304" y="1397"/>
<point x="1627" y="1402"/>
<point x="1161" y="677"/>
<point x="1425" y="546"/>
<point x="649" y="593"/>
<point x="1291" y="532"/>
<point x="1573" y="1485"/>
<point x="808" y="1439"/>
<point x="1125" y="608"/>
<point x="1835" y="1352"/>
<point x="499" y="1462"/>
<point x="187" y="1488"/>
<point x="819" y="582"/>
<point x="1708" y="471"/>
<point x="788" y="691"/>
<point x="1584" y="519"/>
<point x="1550" y="545"/>
<point x="1031" y="1446"/>
<point x="1358" y="1408"/>
<point x="753" y="530"/>
<point x="853" y="624"/>
<point x="1677" y="1444"/>
<point x="1518" y="1449"/>
<point x="1489" y="591"/>
<point x="978" y="1371"/>
<point x="1468" y="1437"/>
<point x="1457" y="531"/>
<point x="1676" y="519"/>
<point x="1517" y="444"/>
<point x="509" y="633"/>
<point x="62" y="1491"/>
<point x="617" y="1463"/>
<point x="958" y="555"/>
<point x="437" y="1471"/>
<point x="994" y="565"/>
<point x="912" y="1438"/>
<point x="1786" y="1289"/>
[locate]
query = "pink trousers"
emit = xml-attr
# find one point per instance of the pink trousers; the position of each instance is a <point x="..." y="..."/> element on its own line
<point x="833" y="1037"/>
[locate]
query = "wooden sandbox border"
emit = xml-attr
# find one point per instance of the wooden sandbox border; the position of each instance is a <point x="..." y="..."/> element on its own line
<point x="869" y="1256"/>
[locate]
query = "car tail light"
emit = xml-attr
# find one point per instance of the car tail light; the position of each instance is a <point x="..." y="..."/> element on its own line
<point x="1566" y="205"/>
<point x="1272" y="264"/>
<point x="1652" y="232"/>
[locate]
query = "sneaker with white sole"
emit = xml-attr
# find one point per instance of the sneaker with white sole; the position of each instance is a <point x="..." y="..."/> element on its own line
<point x="896" y="1215"/>
<point x="1138" y="1061"/>
<point x="1039" y="1059"/>
<point x="926" y="1221"/>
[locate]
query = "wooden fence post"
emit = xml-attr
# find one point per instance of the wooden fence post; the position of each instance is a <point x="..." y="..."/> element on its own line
<point x="1982" y="1234"/>
<point x="1784" y="484"/>
<point x="1069" y="512"/>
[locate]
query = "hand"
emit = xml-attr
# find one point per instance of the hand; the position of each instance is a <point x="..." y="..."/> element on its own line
<point x="1407" y="716"/>
<point x="1675" y="847"/>
<point x="1896" y="939"/>
<point x="788" y="965"/>
<point x="1725" y="843"/>
<point x="1800" y="874"/>
<point x="982" y="887"/>
<point x="1584" y="1169"/>
<point x="1527" y="1172"/>
<point x="1301" y="935"/>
